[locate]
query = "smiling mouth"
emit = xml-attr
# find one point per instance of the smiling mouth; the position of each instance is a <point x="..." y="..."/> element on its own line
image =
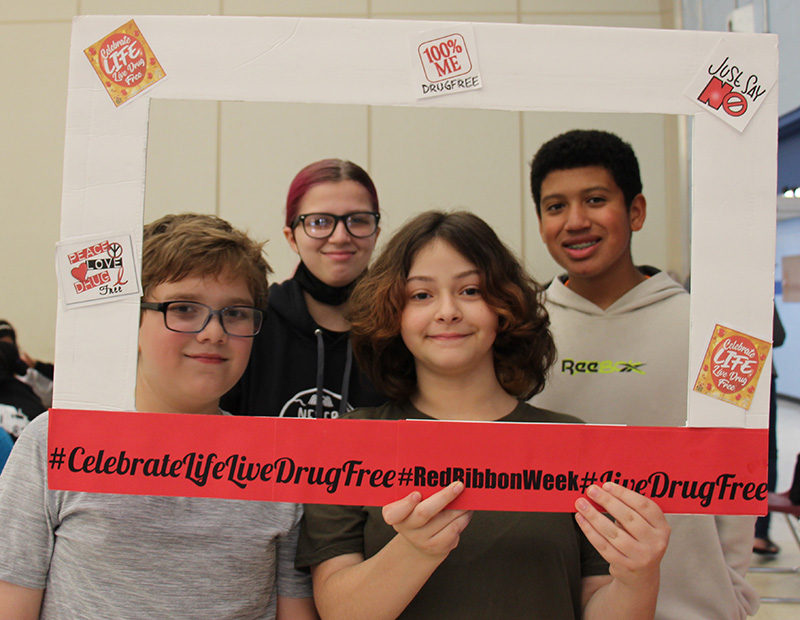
<point x="581" y="246"/>
<point x="208" y="359"/>
<point x="341" y="254"/>
<point x="446" y="337"/>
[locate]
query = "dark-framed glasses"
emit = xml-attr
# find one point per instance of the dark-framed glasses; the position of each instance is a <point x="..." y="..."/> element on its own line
<point x="191" y="317"/>
<point x="321" y="225"/>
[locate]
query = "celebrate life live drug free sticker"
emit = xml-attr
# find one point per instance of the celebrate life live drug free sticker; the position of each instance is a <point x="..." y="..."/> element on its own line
<point x="124" y="63"/>
<point x="731" y="367"/>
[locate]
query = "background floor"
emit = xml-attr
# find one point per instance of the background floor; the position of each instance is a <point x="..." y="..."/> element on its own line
<point x="782" y="584"/>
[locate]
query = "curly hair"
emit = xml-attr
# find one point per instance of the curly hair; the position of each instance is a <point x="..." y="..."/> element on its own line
<point x="523" y="348"/>
<point x="175" y="247"/>
<point x="580" y="148"/>
<point x="326" y="171"/>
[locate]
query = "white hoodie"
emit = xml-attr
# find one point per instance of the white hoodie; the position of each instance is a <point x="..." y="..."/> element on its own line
<point x="628" y="364"/>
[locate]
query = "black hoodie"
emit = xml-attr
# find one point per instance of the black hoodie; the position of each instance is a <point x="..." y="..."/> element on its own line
<point x="297" y="368"/>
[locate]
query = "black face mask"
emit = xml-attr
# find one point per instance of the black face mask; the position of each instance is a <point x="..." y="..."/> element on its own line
<point x="323" y="293"/>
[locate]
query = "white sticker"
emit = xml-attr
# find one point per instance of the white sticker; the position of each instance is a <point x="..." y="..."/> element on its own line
<point x="96" y="269"/>
<point x="445" y="61"/>
<point x="731" y="85"/>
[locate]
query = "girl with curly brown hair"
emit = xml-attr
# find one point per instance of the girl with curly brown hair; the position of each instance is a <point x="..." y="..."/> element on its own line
<point x="449" y="325"/>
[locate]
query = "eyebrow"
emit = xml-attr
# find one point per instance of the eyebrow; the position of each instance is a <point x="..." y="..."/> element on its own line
<point x="458" y="276"/>
<point x="234" y="301"/>
<point x="585" y="190"/>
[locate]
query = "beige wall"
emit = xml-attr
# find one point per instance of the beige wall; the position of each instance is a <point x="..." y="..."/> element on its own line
<point x="237" y="159"/>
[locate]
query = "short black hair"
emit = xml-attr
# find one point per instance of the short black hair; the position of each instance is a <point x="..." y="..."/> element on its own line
<point x="580" y="148"/>
<point x="7" y="330"/>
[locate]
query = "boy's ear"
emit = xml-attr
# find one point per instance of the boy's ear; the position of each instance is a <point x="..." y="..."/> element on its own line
<point x="638" y="212"/>
<point x="289" y="234"/>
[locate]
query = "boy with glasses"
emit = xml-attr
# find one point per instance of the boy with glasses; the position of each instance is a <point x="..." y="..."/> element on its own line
<point x="87" y="555"/>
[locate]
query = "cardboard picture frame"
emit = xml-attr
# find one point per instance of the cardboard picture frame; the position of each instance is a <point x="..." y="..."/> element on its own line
<point x="522" y="67"/>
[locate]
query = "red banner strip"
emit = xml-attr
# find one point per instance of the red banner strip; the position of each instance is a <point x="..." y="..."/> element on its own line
<point x="505" y="466"/>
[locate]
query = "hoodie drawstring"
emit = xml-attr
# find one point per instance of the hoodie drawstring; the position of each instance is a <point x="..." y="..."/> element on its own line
<point x="348" y="366"/>
<point x="320" y="372"/>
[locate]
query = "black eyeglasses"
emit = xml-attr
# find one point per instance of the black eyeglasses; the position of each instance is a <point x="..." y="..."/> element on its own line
<point x="191" y="317"/>
<point x="321" y="225"/>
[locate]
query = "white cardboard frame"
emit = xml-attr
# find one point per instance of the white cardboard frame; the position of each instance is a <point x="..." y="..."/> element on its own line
<point x="523" y="67"/>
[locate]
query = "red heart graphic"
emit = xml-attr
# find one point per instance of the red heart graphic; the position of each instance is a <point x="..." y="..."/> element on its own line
<point x="79" y="272"/>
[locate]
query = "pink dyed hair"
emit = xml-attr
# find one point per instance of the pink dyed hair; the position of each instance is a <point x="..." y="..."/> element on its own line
<point x="326" y="171"/>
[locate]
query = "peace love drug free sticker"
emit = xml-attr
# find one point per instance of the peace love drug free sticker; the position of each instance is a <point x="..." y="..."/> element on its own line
<point x="124" y="63"/>
<point x="732" y="366"/>
<point x="96" y="269"/>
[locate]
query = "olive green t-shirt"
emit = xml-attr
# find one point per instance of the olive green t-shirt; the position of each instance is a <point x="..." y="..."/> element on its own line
<point x="507" y="565"/>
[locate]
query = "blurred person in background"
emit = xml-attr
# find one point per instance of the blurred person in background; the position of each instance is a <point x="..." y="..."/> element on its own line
<point x="37" y="374"/>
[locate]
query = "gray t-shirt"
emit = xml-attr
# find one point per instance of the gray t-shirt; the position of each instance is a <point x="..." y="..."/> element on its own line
<point x="125" y="556"/>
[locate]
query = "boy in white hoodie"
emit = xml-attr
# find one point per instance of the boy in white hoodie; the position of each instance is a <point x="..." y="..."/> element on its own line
<point x="622" y="335"/>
